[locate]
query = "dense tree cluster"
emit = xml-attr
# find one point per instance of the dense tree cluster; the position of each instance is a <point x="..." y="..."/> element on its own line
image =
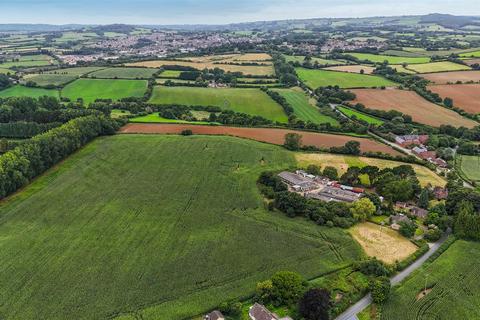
<point x="285" y="71"/>
<point x="284" y="288"/>
<point x="22" y="129"/>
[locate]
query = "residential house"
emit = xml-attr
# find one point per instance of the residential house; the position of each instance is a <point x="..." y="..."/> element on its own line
<point x="419" y="212"/>
<point x="398" y="219"/>
<point x="440" y="193"/>
<point x="408" y="140"/>
<point x="259" y="312"/>
<point x="214" y="315"/>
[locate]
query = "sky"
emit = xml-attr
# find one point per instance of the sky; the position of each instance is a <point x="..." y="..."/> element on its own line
<point x="216" y="11"/>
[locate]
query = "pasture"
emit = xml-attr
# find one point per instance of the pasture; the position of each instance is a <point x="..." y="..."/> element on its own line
<point x="441" y="66"/>
<point x="22" y="91"/>
<point x="453" y="289"/>
<point x="124" y="227"/>
<point x="356" y="68"/>
<point x="155" y="118"/>
<point x="304" y="108"/>
<point x="170" y="74"/>
<point x="453" y="77"/>
<point x="260" y="70"/>
<point x="377" y="58"/>
<point x="410" y="103"/>
<point x="382" y="242"/>
<point x="124" y="73"/>
<point x="469" y="166"/>
<point x="465" y="96"/>
<point x="360" y="116"/>
<point x="321" y="61"/>
<point x="342" y="163"/>
<point x="91" y="89"/>
<point x="268" y="135"/>
<point x="58" y="77"/>
<point x="473" y="54"/>
<point x="323" y="78"/>
<point x="250" y="101"/>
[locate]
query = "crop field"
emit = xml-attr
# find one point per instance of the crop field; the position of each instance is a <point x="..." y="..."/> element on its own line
<point x="352" y="68"/>
<point x="441" y="66"/>
<point x="472" y="61"/>
<point x="321" y="61"/>
<point x="360" y="116"/>
<point x="410" y="103"/>
<point x="453" y="77"/>
<point x="123" y="228"/>
<point x="59" y="77"/>
<point x="25" y="64"/>
<point x="323" y="78"/>
<point x="383" y="243"/>
<point x="124" y="73"/>
<point x="22" y="91"/>
<point x="246" y="70"/>
<point x="6" y="71"/>
<point x="473" y="54"/>
<point x="469" y="166"/>
<point x="453" y="288"/>
<point x="305" y="109"/>
<point x="170" y="74"/>
<point x="91" y="89"/>
<point x="273" y="136"/>
<point x="342" y="163"/>
<point x="465" y="96"/>
<point x="235" y="58"/>
<point x="250" y="101"/>
<point x="391" y="59"/>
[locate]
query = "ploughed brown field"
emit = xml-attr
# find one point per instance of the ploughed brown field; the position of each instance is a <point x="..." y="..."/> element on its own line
<point x="352" y="69"/>
<point x="465" y="96"/>
<point x="472" y="61"/>
<point x="274" y="136"/>
<point x="452" y="77"/>
<point x="410" y="103"/>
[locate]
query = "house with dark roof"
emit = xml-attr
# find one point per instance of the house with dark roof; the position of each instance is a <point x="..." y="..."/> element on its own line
<point x="419" y="212"/>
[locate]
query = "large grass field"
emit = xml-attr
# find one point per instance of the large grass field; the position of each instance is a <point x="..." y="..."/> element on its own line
<point x="91" y="89"/>
<point x="469" y="166"/>
<point x="360" y="116"/>
<point x="156" y="227"/>
<point x="437" y="67"/>
<point x="323" y="78"/>
<point x="321" y="61"/>
<point x="304" y="108"/>
<point x="22" y="91"/>
<point x="58" y="77"/>
<point x="455" y="288"/>
<point x="124" y="73"/>
<point x="251" y="101"/>
<point x="473" y="54"/>
<point x="391" y="59"/>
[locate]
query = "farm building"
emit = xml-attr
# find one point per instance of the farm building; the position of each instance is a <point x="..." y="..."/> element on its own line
<point x="335" y="194"/>
<point x="440" y="193"/>
<point x="297" y="181"/>
<point x="214" y="315"/>
<point x="259" y="312"/>
<point x="409" y="140"/>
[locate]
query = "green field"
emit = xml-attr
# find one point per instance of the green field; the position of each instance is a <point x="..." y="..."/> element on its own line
<point x="474" y="54"/>
<point x="170" y="74"/>
<point x="21" y="91"/>
<point x="454" y="280"/>
<point x="155" y="118"/>
<point x="469" y="167"/>
<point x="250" y="101"/>
<point x="59" y="77"/>
<point x="437" y="67"/>
<point x="361" y="116"/>
<point x="124" y="73"/>
<point x="304" y="109"/>
<point x="25" y="64"/>
<point x="323" y="78"/>
<point x="321" y="61"/>
<point x="91" y="89"/>
<point x="377" y="58"/>
<point x="155" y="227"/>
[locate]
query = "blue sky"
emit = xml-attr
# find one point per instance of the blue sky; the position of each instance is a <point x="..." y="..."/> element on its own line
<point x="215" y="11"/>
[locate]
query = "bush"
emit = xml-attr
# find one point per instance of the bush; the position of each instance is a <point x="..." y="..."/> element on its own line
<point x="187" y="132"/>
<point x="380" y="288"/>
<point x="372" y="267"/>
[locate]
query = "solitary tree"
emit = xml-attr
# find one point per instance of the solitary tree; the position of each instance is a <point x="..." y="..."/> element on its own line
<point x="362" y="209"/>
<point x="330" y="172"/>
<point x="293" y="141"/>
<point x="315" y="304"/>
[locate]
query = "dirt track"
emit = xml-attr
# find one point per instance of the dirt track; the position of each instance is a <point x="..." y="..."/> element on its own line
<point x="274" y="136"/>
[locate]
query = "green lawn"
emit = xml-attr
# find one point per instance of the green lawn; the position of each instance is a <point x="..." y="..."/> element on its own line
<point x="470" y="166"/>
<point x="454" y="280"/>
<point x="391" y="59"/>
<point x="124" y="73"/>
<point x="322" y="78"/>
<point x="153" y="227"/>
<point x="304" y="109"/>
<point x="361" y="116"/>
<point x="437" y="67"/>
<point x="250" y="101"/>
<point x="92" y="89"/>
<point x="22" y="91"/>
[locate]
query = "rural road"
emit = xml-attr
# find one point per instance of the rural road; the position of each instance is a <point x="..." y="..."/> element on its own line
<point x="351" y="313"/>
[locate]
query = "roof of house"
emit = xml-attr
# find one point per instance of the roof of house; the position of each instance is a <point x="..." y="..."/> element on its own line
<point x="214" y="315"/>
<point x="399" y="218"/>
<point x="259" y="312"/>
<point x="296" y="180"/>
<point x="419" y="212"/>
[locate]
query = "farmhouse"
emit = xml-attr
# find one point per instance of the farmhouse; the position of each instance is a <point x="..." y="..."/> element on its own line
<point x="297" y="181"/>
<point x="412" y="139"/>
<point x="259" y="312"/>
<point x="214" y="315"/>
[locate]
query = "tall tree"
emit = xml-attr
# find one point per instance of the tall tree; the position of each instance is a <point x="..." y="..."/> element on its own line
<point x="315" y="304"/>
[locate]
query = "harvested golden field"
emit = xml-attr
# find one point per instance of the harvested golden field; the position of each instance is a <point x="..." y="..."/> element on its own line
<point x="342" y="163"/>
<point x="352" y="69"/>
<point x="239" y="58"/>
<point x="465" y="96"/>
<point x="452" y="77"/>
<point x="383" y="243"/>
<point x="246" y="70"/>
<point x="268" y="135"/>
<point x="410" y="103"/>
